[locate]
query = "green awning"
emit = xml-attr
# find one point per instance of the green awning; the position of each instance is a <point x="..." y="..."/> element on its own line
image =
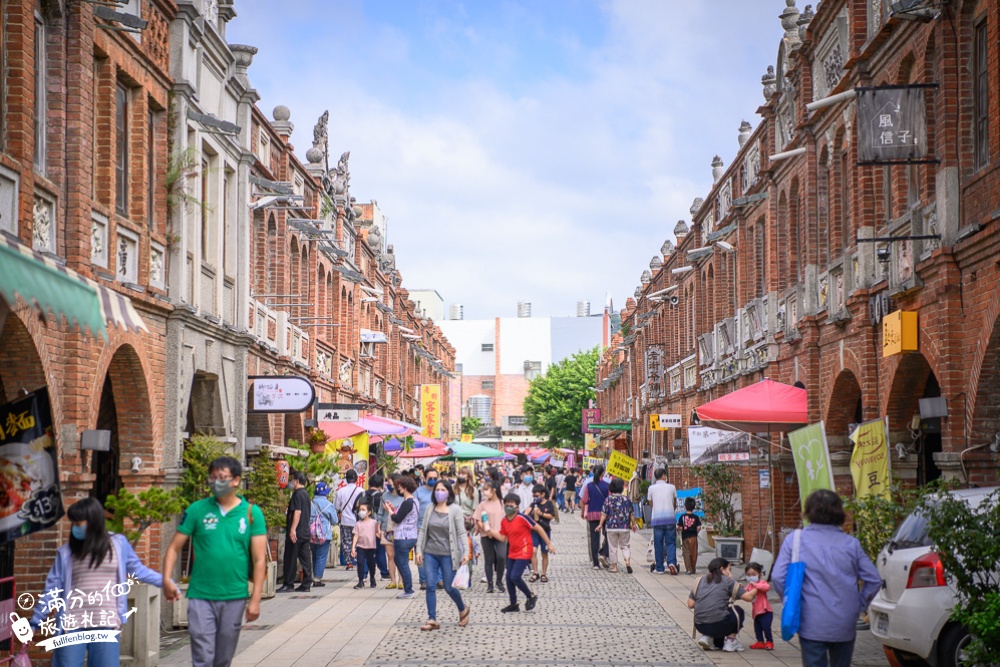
<point x="622" y="426"/>
<point x="47" y="288"/>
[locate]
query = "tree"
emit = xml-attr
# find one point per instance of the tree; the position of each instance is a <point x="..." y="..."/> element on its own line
<point x="967" y="539"/>
<point x="471" y="424"/>
<point x="555" y="402"/>
<point x="720" y="484"/>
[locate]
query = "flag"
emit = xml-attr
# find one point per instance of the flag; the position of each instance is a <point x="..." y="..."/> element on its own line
<point x="870" y="459"/>
<point x="812" y="460"/>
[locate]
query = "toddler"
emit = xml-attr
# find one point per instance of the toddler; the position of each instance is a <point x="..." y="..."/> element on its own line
<point x="763" y="613"/>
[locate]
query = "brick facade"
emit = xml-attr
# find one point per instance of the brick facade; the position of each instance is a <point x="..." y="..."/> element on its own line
<point x="797" y="308"/>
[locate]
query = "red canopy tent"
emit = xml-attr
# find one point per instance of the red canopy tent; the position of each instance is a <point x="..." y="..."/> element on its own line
<point x="765" y="406"/>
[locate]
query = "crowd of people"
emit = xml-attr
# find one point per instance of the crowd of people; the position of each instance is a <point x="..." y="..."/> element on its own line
<point x="446" y="522"/>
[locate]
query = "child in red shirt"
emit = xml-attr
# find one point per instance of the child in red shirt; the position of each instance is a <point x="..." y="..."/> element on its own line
<point x="763" y="613"/>
<point x="516" y="529"/>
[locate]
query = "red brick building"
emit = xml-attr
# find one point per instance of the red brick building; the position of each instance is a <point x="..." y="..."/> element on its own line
<point x="323" y="282"/>
<point x="768" y="279"/>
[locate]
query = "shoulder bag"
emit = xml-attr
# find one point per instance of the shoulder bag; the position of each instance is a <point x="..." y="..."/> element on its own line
<point x="791" y="601"/>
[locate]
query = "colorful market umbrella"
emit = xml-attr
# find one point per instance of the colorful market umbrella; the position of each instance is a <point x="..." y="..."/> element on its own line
<point x="419" y="442"/>
<point x="340" y="430"/>
<point x="382" y="426"/>
<point x="765" y="406"/>
<point x="470" y="451"/>
<point x="423" y="453"/>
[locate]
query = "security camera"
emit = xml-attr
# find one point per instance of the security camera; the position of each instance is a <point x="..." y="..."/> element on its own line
<point x="883" y="254"/>
<point x="136" y="463"/>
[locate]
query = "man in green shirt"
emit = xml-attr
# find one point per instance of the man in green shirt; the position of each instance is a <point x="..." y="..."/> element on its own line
<point x="225" y="531"/>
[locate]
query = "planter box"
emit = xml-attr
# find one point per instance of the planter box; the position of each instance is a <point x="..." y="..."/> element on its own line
<point x="140" y="638"/>
<point x="730" y="548"/>
<point x="180" y="608"/>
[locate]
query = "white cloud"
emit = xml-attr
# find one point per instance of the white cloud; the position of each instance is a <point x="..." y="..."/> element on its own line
<point x="551" y="193"/>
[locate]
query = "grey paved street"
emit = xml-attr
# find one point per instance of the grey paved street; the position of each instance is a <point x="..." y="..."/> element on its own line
<point x="583" y="617"/>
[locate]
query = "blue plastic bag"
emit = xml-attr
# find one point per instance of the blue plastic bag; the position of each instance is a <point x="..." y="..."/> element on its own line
<point x="791" y="603"/>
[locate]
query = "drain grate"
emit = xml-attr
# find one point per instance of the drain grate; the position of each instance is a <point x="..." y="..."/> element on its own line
<point x="305" y="597"/>
<point x="257" y="627"/>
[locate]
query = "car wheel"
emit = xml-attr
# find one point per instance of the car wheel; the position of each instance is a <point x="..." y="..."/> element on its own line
<point x="904" y="659"/>
<point x="951" y="646"/>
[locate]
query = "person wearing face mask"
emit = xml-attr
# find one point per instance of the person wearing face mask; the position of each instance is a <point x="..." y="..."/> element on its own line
<point x="225" y="531"/>
<point x="366" y="535"/>
<point x="516" y="530"/>
<point x="89" y="562"/>
<point x="763" y="613"/>
<point x="526" y="489"/>
<point x="424" y="496"/>
<point x="442" y="547"/>
<point x="297" y="549"/>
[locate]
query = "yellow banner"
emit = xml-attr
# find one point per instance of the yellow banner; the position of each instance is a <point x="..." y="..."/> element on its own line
<point x="351" y="453"/>
<point x="430" y="410"/>
<point x="870" y="460"/>
<point x="621" y="466"/>
<point x="466" y="437"/>
<point x="591" y="461"/>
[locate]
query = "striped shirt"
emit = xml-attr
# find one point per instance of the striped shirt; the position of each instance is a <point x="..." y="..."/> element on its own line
<point x="92" y="602"/>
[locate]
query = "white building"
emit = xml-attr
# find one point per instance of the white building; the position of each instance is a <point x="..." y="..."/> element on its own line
<point x="428" y="302"/>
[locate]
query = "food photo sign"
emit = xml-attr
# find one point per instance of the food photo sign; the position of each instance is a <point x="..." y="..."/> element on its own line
<point x="30" y="499"/>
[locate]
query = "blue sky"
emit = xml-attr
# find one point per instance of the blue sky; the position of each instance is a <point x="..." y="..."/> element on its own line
<point x="523" y="150"/>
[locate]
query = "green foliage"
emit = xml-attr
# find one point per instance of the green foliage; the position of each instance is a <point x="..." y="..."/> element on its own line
<point x="199" y="452"/>
<point x="181" y="166"/>
<point x="719" y="484"/>
<point x="968" y="541"/>
<point x="626" y="328"/>
<point x="262" y="490"/>
<point x="150" y="506"/>
<point x="644" y="488"/>
<point x="316" y="466"/>
<point x="555" y="401"/>
<point x="471" y="424"/>
<point x="876" y="518"/>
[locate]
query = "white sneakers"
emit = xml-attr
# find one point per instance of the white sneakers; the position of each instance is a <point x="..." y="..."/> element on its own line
<point x="729" y="646"/>
<point x="732" y="645"/>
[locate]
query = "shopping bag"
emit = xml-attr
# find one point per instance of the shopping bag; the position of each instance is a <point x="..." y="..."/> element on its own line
<point x="791" y="602"/>
<point x="461" y="580"/>
<point x="650" y="552"/>
<point x="22" y="659"/>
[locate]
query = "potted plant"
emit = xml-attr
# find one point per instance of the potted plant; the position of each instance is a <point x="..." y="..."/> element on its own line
<point x="263" y="490"/>
<point x="317" y="440"/>
<point x="720" y="485"/>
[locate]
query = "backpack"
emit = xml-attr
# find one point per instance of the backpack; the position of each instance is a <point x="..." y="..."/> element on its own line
<point x="317" y="532"/>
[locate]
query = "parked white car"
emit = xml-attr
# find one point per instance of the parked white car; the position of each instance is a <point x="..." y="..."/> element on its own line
<point x="910" y="615"/>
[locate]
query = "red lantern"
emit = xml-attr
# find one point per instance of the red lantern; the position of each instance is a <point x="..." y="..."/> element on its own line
<point x="282" y="469"/>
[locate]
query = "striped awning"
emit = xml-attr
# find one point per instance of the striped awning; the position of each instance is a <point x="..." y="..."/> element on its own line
<point x="50" y="287"/>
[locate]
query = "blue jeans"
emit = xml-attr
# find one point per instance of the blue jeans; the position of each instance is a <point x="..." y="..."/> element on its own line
<point x="402" y="558"/>
<point x="320" y="553"/>
<point x="665" y="545"/>
<point x="99" y="654"/>
<point x="826" y="654"/>
<point x="515" y="578"/>
<point x="381" y="562"/>
<point x="439" y="568"/>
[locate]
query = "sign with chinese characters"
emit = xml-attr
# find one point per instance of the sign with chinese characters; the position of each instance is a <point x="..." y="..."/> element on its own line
<point x="870" y="459"/>
<point x="892" y="124"/>
<point x="654" y="371"/>
<point x="591" y="462"/>
<point x="339" y="412"/>
<point x="29" y="475"/>
<point x="280" y="393"/>
<point x="591" y="416"/>
<point x="621" y="465"/>
<point x="710" y="445"/>
<point x="430" y="410"/>
<point x="899" y="333"/>
<point x="663" y="422"/>
<point x="764" y="478"/>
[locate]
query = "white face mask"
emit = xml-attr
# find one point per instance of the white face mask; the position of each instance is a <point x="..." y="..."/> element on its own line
<point x="753" y="580"/>
<point x="362" y="514"/>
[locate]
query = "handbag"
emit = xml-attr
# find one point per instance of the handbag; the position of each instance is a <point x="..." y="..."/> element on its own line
<point x="650" y="552"/>
<point x="791" y="601"/>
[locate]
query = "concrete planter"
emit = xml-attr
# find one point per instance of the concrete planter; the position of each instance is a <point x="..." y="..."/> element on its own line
<point x="140" y="638"/>
<point x="730" y="548"/>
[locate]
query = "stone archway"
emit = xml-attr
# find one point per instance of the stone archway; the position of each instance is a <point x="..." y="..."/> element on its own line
<point x="844" y="409"/>
<point x="985" y="423"/>
<point x="915" y="379"/>
<point x="124" y="409"/>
